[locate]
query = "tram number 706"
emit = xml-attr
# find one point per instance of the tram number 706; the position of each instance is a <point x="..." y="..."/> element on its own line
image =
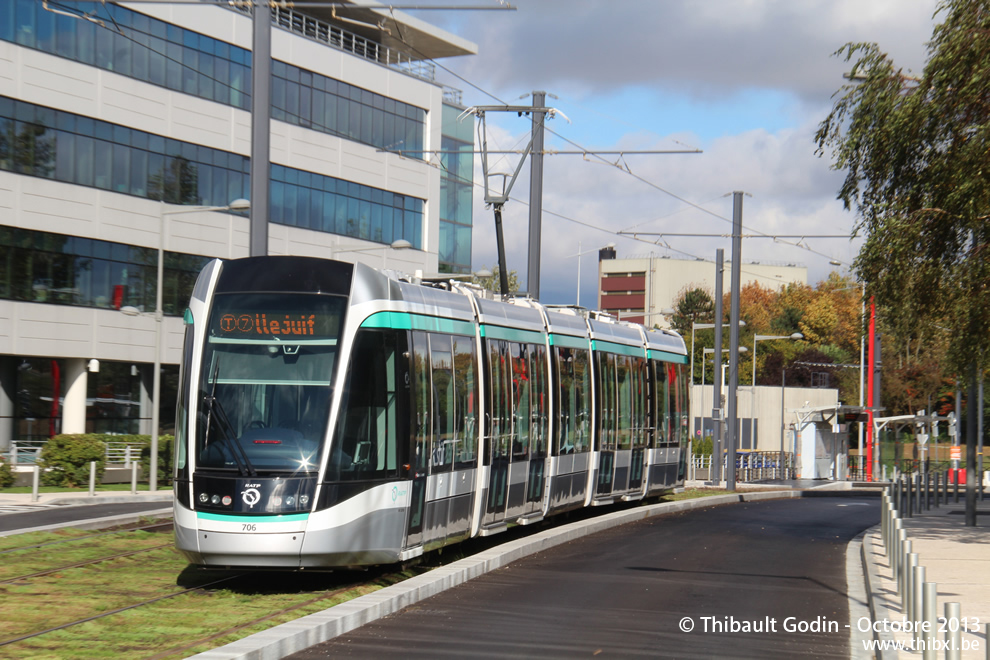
<point x="249" y="527"/>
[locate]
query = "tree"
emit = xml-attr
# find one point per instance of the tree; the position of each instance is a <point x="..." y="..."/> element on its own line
<point x="492" y="283"/>
<point x="693" y="305"/>
<point x="916" y="154"/>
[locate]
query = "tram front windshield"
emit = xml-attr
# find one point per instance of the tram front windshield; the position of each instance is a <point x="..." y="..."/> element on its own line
<point x="265" y="382"/>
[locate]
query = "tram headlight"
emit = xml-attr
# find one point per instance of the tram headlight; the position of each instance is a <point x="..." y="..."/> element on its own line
<point x="215" y="500"/>
<point x="290" y="501"/>
<point x="304" y="500"/>
<point x="203" y="498"/>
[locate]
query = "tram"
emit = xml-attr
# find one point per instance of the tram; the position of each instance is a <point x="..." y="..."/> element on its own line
<point x="332" y="415"/>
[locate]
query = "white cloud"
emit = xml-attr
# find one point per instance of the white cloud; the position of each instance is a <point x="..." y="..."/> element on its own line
<point x="747" y="81"/>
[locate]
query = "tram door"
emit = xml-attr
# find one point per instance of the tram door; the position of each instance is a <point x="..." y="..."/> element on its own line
<point x="498" y="444"/>
<point x="607" y="434"/>
<point x="419" y="454"/>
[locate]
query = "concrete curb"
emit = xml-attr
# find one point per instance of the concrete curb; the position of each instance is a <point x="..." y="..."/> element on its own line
<point x="294" y="636"/>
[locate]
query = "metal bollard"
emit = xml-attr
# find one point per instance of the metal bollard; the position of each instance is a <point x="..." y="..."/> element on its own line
<point x="907" y="595"/>
<point x="92" y="478"/>
<point x="930" y="612"/>
<point x="955" y="488"/>
<point x="134" y="471"/>
<point x="910" y="506"/>
<point x="953" y="638"/>
<point x="945" y="491"/>
<point x="917" y="600"/>
<point x="884" y="513"/>
<point x="936" y="489"/>
<point x="904" y="576"/>
<point x="35" y="479"/>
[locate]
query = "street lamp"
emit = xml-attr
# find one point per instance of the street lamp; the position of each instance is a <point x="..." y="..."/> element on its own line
<point x="752" y="395"/>
<point x="579" y="255"/>
<point x="156" y="377"/>
<point x="702" y="326"/>
<point x="398" y="244"/>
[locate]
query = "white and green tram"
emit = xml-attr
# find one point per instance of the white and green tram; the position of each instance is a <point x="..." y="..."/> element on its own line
<point x="332" y="415"/>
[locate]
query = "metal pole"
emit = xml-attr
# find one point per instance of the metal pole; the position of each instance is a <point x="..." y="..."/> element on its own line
<point x="869" y="393"/>
<point x="503" y="274"/>
<point x="737" y="199"/>
<point x="92" y="478"/>
<point x="578" y="300"/>
<point x="972" y="404"/>
<point x="35" y="478"/>
<point x="717" y="382"/>
<point x="536" y="196"/>
<point x="261" y="74"/>
<point x="156" y="375"/>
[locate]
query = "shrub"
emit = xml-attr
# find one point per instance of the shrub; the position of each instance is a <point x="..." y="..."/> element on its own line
<point x="65" y="460"/>
<point x="6" y="474"/>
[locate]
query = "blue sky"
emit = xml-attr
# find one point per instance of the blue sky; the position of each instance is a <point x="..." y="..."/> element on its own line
<point x="745" y="81"/>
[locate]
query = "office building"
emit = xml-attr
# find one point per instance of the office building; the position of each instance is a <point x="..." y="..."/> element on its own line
<point x="118" y="121"/>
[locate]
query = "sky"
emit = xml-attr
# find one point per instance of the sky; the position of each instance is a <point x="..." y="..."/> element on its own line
<point x="745" y="82"/>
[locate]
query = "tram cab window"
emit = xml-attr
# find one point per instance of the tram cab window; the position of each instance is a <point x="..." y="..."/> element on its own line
<point x="265" y="384"/>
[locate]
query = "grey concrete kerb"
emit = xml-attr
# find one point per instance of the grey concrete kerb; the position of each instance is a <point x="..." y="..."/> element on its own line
<point x="302" y="633"/>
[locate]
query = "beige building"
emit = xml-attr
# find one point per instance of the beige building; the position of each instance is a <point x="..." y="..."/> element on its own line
<point x="651" y="284"/>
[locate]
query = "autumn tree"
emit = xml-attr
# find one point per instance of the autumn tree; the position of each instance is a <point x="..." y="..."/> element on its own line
<point x="692" y="305"/>
<point x="916" y="157"/>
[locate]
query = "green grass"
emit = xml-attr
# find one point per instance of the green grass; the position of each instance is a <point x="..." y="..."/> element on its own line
<point x="164" y="630"/>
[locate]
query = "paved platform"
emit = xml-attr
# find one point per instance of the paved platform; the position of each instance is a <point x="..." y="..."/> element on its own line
<point x="955" y="557"/>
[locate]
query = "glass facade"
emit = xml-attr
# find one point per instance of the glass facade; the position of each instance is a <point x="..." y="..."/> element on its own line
<point x="181" y="60"/>
<point x="42" y="267"/>
<point x="52" y="144"/>
<point x="456" y="190"/>
<point x="113" y="398"/>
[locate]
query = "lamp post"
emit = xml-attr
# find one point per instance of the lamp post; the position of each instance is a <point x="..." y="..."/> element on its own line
<point x="156" y="376"/>
<point x="752" y="396"/>
<point x="704" y="326"/>
<point x="579" y="255"/>
<point x="398" y="244"/>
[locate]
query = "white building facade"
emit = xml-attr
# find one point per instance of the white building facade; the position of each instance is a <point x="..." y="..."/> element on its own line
<point x="116" y="127"/>
<point x="641" y="288"/>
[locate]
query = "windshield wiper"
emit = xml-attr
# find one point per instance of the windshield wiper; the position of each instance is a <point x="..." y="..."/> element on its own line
<point x="223" y="424"/>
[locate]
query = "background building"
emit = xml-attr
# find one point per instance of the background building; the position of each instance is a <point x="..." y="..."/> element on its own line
<point x="651" y="284"/>
<point x="117" y="122"/>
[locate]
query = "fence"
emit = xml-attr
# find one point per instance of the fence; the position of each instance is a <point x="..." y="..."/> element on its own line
<point x="750" y="466"/>
<point x="27" y="452"/>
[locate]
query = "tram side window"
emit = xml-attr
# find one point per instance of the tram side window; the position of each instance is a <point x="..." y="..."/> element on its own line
<point x="574" y="396"/>
<point x="640" y="402"/>
<point x="444" y="403"/>
<point x="624" y="393"/>
<point x="364" y="446"/>
<point x="660" y="400"/>
<point x="673" y="407"/>
<point x="465" y="393"/>
<point x="540" y="398"/>
<point x="501" y="398"/>
<point x="681" y="433"/>
<point x="606" y="400"/>
<point x="521" y="386"/>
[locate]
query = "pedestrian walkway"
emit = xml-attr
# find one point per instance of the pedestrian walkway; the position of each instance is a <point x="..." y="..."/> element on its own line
<point x="20" y="502"/>
<point x="955" y="557"/>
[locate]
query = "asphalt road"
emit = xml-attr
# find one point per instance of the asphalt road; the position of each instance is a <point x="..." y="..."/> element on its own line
<point x="28" y="516"/>
<point x="626" y="592"/>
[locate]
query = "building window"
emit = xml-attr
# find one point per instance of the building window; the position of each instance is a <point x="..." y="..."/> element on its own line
<point x="52" y="144"/>
<point x="181" y="60"/>
<point x="84" y="272"/>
